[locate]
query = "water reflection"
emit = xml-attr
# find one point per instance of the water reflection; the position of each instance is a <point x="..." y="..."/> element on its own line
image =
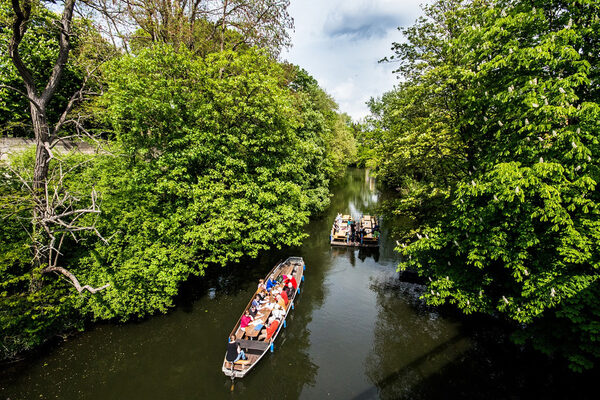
<point x="411" y="341"/>
<point x="352" y="253"/>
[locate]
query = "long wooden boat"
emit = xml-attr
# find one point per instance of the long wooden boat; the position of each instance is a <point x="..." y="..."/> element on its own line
<point x="366" y="232"/>
<point x="253" y="347"/>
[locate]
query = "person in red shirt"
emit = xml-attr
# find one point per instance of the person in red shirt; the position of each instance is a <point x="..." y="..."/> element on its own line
<point x="246" y="319"/>
<point x="269" y="331"/>
<point x="285" y="297"/>
<point x="291" y="279"/>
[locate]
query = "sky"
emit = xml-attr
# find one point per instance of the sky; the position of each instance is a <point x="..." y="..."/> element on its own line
<point x="339" y="42"/>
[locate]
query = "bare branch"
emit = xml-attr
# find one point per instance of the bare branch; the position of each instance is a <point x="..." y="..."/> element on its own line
<point x="76" y="97"/>
<point x="31" y="99"/>
<point x="73" y="279"/>
<point x="19" y="28"/>
<point x="49" y="150"/>
<point x="63" y="53"/>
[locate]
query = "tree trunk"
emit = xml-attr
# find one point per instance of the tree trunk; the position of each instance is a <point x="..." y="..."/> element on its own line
<point x="40" y="175"/>
<point x="46" y="223"/>
<point x="42" y="156"/>
<point x="223" y="24"/>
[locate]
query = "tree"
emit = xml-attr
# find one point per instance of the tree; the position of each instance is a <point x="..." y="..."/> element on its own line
<point x="214" y="168"/>
<point x="201" y="25"/>
<point x="54" y="212"/>
<point x="326" y="134"/>
<point x="510" y="117"/>
<point x="205" y="159"/>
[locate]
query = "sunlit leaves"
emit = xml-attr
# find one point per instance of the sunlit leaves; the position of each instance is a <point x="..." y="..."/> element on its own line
<point x="499" y="109"/>
<point x="219" y="164"/>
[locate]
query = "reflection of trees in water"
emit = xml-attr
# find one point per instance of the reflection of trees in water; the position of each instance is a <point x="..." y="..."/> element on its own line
<point x="420" y="354"/>
<point x="411" y="342"/>
<point x="354" y="192"/>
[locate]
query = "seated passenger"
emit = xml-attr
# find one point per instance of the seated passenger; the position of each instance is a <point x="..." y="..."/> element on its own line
<point x="253" y="312"/>
<point x="234" y="351"/>
<point x="246" y="319"/>
<point x="280" y="301"/>
<point x="270" y="303"/>
<point x="285" y="297"/>
<point x="270" y="330"/>
<point x="270" y="283"/>
<point x="278" y="312"/>
<point x="261" y="285"/>
<point x="257" y="302"/>
<point x="292" y="279"/>
<point x="289" y="290"/>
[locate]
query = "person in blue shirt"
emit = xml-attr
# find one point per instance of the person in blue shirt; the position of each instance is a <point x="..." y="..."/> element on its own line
<point x="270" y="283"/>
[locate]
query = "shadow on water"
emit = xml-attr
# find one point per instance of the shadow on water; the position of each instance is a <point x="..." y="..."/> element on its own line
<point x="421" y="352"/>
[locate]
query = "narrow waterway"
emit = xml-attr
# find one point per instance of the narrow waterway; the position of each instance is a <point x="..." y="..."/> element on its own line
<point x="358" y="331"/>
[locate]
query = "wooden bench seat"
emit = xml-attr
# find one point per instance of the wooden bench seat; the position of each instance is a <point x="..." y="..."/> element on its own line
<point x="253" y="345"/>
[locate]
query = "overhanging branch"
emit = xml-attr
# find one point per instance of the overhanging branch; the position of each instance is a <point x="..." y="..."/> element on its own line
<point x="74" y="280"/>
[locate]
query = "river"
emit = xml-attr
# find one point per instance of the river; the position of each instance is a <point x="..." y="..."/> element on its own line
<point x="358" y="331"/>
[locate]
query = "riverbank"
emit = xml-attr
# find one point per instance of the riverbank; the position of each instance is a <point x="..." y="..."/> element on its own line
<point x="357" y="331"/>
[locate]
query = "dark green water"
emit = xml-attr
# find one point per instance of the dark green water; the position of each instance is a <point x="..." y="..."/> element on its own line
<point x="359" y="331"/>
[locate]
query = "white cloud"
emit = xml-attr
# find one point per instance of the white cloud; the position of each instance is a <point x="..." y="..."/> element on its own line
<point x="340" y="42"/>
<point x="363" y="20"/>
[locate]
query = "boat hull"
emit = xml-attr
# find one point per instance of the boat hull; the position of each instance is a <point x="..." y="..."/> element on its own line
<point x="256" y="349"/>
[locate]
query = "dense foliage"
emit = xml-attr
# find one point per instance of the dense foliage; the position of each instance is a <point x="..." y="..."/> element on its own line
<point x="214" y="167"/>
<point x="205" y="159"/>
<point x="493" y="141"/>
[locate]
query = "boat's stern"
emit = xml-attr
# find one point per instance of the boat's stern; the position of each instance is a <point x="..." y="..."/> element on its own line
<point x="233" y="373"/>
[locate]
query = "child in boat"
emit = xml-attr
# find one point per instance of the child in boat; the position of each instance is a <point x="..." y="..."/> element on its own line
<point x="234" y="351"/>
